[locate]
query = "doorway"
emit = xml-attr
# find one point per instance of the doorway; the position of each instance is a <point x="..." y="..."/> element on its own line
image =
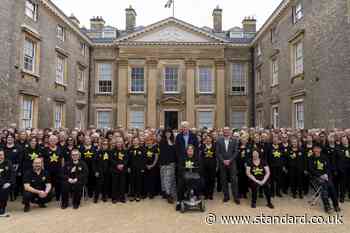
<point x="171" y="120"/>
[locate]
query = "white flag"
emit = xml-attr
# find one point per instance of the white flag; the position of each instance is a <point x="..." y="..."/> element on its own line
<point x="168" y="4"/>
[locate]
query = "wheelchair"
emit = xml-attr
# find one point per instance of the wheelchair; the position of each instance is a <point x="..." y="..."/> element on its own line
<point x="193" y="200"/>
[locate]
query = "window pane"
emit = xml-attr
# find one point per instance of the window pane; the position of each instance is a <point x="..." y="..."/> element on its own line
<point x="171" y="79"/>
<point x="137" y="119"/>
<point x="205" y="119"/>
<point x="30" y="9"/>
<point x="60" y="66"/>
<point x="29" y="55"/>
<point x="205" y="80"/>
<point x="27" y="113"/>
<point x="58" y="115"/>
<point x="104" y="78"/>
<point x="237" y="119"/>
<point x="137" y="79"/>
<point x="238" y="79"/>
<point x="103" y="119"/>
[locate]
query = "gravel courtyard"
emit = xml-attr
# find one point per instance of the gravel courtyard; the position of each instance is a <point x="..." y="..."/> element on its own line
<point x="150" y="216"/>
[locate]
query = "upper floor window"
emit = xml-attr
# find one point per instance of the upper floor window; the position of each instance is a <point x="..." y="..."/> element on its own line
<point x="104" y="77"/>
<point x="298" y="58"/>
<point x="205" y="80"/>
<point x="274" y="72"/>
<point x="29" y="55"/>
<point x="61" y="33"/>
<point x="275" y="116"/>
<point x="81" y="79"/>
<point x="259" y="50"/>
<point x="298" y="12"/>
<point x="137" y="80"/>
<point x="83" y="49"/>
<point x="171" y="80"/>
<point x="258" y="86"/>
<point x="61" y="69"/>
<point x="239" y="80"/>
<point x="31" y="9"/>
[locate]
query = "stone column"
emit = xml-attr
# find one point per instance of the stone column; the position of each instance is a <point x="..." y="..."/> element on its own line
<point x="220" y="94"/>
<point x="152" y="81"/>
<point x="190" y="91"/>
<point x="122" y="93"/>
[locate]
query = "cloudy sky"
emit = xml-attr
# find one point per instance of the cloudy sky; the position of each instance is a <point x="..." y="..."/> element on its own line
<point x="196" y="12"/>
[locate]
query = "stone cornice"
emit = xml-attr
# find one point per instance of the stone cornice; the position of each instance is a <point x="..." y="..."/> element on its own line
<point x="56" y="11"/>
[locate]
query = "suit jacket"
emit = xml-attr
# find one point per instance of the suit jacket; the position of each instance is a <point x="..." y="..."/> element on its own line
<point x="230" y="154"/>
<point x="181" y="147"/>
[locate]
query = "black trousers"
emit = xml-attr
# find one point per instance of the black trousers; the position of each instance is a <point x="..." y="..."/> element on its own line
<point x="136" y="182"/>
<point x="296" y="180"/>
<point x="118" y="185"/>
<point x="4" y="195"/>
<point x="228" y="173"/>
<point x="266" y="189"/>
<point x="328" y="191"/>
<point x="56" y="181"/>
<point x="150" y="181"/>
<point x="103" y="186"/>
<point x="29" y="197"/>
<point x="276" y="180"/>
<point x="306" y="183"/>
<point x="75" y="189"/>
<point x="209" y="176"/>
<point x="344" y="182"/>
<point x="242" y="183"/>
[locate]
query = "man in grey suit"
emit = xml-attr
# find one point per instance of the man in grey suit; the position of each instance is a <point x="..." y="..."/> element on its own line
<point x="227" y="151"/>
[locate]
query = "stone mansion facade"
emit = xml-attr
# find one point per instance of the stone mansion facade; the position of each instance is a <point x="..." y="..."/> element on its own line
<point x="294" y="71"/>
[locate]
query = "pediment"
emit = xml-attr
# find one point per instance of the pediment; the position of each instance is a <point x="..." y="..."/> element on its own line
<point x="172" y="33"/>
<point x="172" y="30"/>
<point x="171" y="101"/>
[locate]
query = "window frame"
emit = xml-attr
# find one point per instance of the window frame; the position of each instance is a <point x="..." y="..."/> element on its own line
<point x="34" y="55"/>
<point x="210" y="70"/>
<point x="109" y="111"/>
<point x="59" y="123"/>
<point x="296" y="121"/>
<point x="24" y="120"/>
<point x="243" y="81"/>
<point x="298" y="12"/>
<point x="132" y="122"/>
<point x="31" y="13"/>
<point x="177" y="91"/>
<point x="212" y="118"/>
<point x="131" y="80"/>
<point x="99" y="80"/>
<point x="275" y="116"/>
<point x="81" y="83"/>
<point x="274" y="72"/>
<point x="60" y="33"/>
<point x="244" y="120"/>
<point x="60" y="57"/>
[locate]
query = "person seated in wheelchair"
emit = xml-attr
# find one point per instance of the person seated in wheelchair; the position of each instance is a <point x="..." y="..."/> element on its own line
<point x="190" y="179"/>
<point x="75" y="175"/>
<point x="320" y="172"/>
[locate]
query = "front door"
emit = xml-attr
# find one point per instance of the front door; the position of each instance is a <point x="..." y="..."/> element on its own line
<point x="171" y="120"/>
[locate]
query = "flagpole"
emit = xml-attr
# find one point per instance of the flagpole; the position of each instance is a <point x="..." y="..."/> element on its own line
<point x="174" y="8"/>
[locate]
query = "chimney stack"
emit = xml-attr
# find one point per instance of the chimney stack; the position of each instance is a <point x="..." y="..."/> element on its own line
<point x="97" y="23"/>
<point x="217" y="18"/>
<point x="74" y="20"/>
<point x="249" y="24"/>
<point x="130" y="14"/>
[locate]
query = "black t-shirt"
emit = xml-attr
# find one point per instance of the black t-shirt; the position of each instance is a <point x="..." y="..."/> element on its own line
<point x="37" y="181"/>
<point x="5" y="172"/>
<point x="258" y="171"/>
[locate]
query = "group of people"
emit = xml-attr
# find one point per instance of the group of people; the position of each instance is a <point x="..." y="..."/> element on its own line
<point x="131" y="164"/>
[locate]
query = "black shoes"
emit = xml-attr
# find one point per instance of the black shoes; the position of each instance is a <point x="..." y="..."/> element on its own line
<point x="178" y="206"/>
<point x="26" y="208"/>
<point x="170" y="199"/>
<point x="270" y="205"/>
<point x="237" y="201"/>
<point x="226" y="199"/>
<point x="253" y="205"/>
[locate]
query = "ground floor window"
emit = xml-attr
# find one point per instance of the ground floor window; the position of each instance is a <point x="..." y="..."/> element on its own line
<point x="137" y="119"/>
<point x="104" y="119"/>
<point x="238" y="119"/>
<point x="205" y="119"/>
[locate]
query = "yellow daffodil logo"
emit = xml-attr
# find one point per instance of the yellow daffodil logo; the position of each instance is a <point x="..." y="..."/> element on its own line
<point x="189" y="164"/>
<point x="105" y="156"/>
<point x="53" y="158"/>
<point x="33" y="156"/>
<point x="319" y="165"/>
<point x="277" y="154"/>
<point x="88" y="155"/>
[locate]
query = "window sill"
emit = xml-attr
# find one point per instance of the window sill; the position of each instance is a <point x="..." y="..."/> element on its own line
<point x="57" y="84"/>
<point x="297" y="76"/>
<point x="104" y="93"/>
<point x="137" y="93"/>
<point x="233" y="94"/>
<point x="172" y="93"/>
<point x="205" y="93"/>
<point x="81" y="92"/>
<point x="30" y="73"/>
<point x="275" y="86"/>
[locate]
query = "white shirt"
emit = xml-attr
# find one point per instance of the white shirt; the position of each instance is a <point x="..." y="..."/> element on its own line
<point x="227" y="141"/>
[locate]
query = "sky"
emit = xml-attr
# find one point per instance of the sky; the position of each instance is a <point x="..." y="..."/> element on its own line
<point x="196" y="12"/>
